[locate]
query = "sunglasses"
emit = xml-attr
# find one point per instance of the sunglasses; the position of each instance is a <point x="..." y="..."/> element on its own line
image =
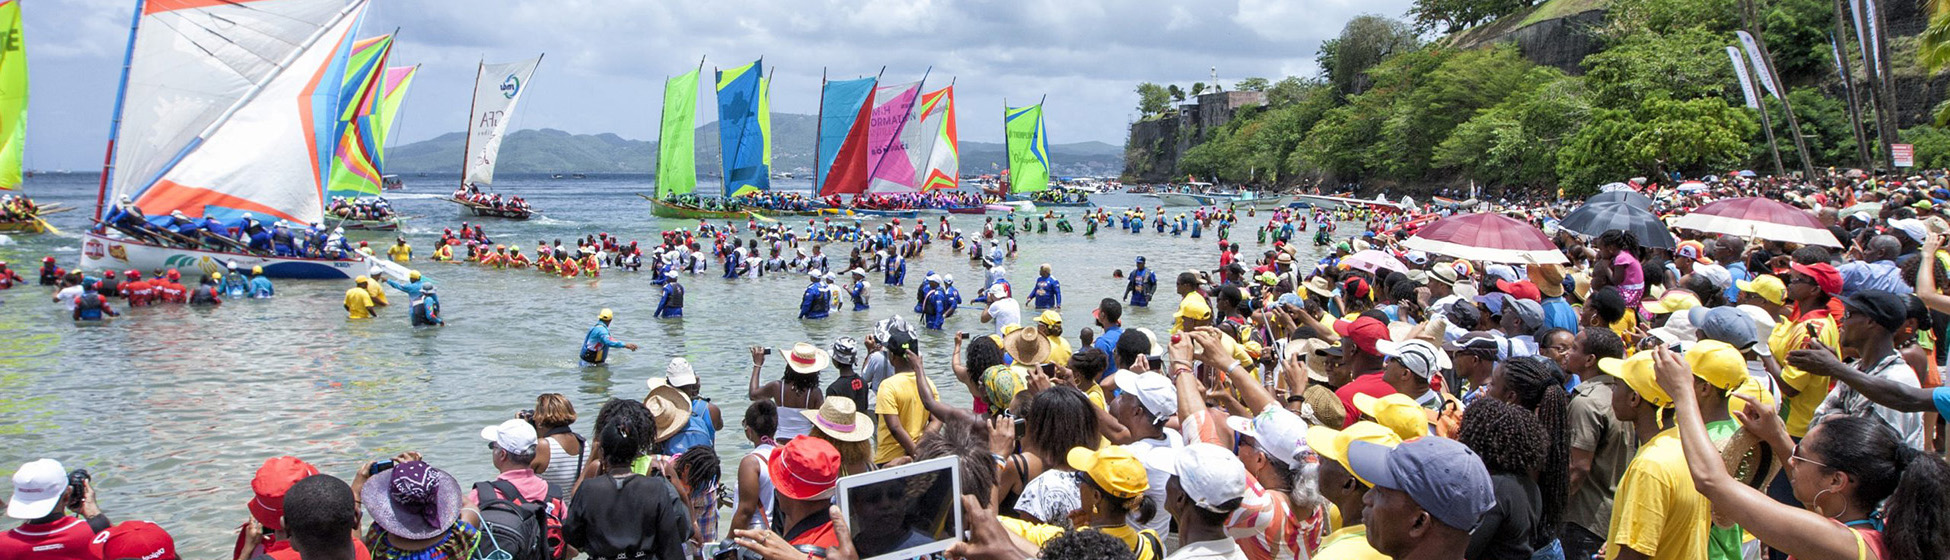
<point x="1796" y="456"/>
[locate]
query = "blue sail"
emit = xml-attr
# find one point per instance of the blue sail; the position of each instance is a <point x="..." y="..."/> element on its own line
<point x="741" y="133"/>
<point x="839" y="107"/>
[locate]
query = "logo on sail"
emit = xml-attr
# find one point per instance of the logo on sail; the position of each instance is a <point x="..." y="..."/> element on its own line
<point x="510" y="86"/>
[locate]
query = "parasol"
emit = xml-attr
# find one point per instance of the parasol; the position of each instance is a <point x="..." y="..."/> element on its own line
<point x="1628" y="197"/>
<point x="1372" y="260"/>
<point x="1758" y="217"/>
<point x="1486" y="237"/>
<point x="1599" y="217"/>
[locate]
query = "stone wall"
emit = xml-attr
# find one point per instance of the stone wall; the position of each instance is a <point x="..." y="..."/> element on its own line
<point x="1152" y="150"/>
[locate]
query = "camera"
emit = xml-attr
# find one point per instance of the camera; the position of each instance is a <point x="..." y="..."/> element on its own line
<point x="78" y="484"/>
<point x="528" y="415"/>
<point x="381" y="466"/>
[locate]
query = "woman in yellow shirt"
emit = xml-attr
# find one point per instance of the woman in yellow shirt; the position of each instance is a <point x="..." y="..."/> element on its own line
<point x="1111" y="489"/>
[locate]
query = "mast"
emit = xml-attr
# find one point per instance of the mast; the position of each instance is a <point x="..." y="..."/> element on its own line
<point x="115" y="122"/>
<point x="819" y="125"/>
<point x="467" y="144"/>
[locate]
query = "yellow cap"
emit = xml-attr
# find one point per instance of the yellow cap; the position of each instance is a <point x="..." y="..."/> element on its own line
<point x="1673" y="302"/>
<point x="216" y="276"/>
<point x="1332" y="444"/>
<point x="257" y="270"/>
<point x="605" y="314"/>
<point x="1769" y="287"/>
<point x="1398" y="412"/>
<point x="413" y="275"/>
<point x="1638" y="373"/>
<point x="1718" y="363"/>
<point x="361" y="280"/>
<point x="1051" y="318"/>
<point x="1113" y="468"/>
<point x="514" y="248"/>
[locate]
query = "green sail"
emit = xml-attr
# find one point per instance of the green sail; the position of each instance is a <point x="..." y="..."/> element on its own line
<point x="13" y="96"/>
<point x="677" y="143"/>
<point x="355" y="171"/>
<point x="765" y="117"/>
<point x="1028" y="148"/>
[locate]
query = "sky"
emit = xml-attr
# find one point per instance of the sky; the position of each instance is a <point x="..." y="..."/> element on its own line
<point x="606" y="59"/>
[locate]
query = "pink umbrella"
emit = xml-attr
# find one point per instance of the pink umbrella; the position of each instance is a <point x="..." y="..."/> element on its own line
<point x="1372" y="260"/>
<point x="1754" y="216"/>
<point x="1487" y="237"/>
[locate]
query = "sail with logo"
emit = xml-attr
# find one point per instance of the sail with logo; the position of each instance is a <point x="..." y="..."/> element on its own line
<point x="497" y="91"/>
<point x="13" y="118"/>
<point x="890" y="162"/>
<point x="941" y="150"/>
<point x="1028" y="148"/>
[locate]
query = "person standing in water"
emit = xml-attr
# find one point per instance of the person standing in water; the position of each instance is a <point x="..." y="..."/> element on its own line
<point x="596" y="345"/>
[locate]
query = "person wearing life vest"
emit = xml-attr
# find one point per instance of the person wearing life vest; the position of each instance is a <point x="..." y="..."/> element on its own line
<point x="260" y="287"/>
<point x="110" y="287"/>
<point x="8" y="277"/>
<point x="207" y="292"/>
<point x="91" y="306"/>
<point x="426" y="308"/>
<point x="515" y="258"/>
<point x="816" y="303"/>
<point x="859" y="290"/>
<point x="168" y="290"/>
<point x="140" y="293"/>
<point x="50" y="274"/>
<point x="671" y="305"/>
<point x="596" y="345"/>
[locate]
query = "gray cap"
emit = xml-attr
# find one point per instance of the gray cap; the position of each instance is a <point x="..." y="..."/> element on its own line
<point x="1725" y="324"/>
<point x="1531" y="312"/>
<point x="1440" y="474"/>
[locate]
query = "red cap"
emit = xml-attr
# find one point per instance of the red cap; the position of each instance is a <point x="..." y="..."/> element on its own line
<point x="174" y="275"/>
<point x="1365" y="331"/>
<point x="108" y="274"/>
<point x="138" y="540"/>
<point x="272" y="481"/>
<point x="1521" y="290"/>
<point x="1354" y="286"/>
<point x="1824" y="274"/>
<point x="48" y="259"/>
<point x="133" y="273"/>
<point x="805" y="469"/>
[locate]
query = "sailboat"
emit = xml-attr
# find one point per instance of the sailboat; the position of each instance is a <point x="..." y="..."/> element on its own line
<point x="497" y="89"/>
<point x="229" y="126"/>
<point x="24" y="216"/>
<point x="745" y="129"/>
<point x="845" y="114"/>
<point x="393" y="93"/>
<point x="1028" y="144"/>
<point x="356" y="162"/>
<point x="676" y="152"/>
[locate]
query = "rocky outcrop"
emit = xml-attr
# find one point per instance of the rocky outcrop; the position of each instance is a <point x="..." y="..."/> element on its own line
<point x="1152" y="150"/>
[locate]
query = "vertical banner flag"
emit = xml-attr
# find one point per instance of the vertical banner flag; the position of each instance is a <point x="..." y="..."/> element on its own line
<point x="1740" y="71"/>
<point x="1761" y="71"/>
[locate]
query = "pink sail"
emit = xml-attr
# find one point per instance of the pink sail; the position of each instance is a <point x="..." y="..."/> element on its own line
<point x="888" y="161"/>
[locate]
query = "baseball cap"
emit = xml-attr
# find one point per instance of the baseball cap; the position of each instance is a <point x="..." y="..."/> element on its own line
<point x="1885" y="308"/>
<point x="1417" y="258"/>
<point x="1637" y="373"/>
<point x="1398" y="412"/>
<point x="680" y="373"/>
<point x="1049" y="317"/>
<point x="1113" y="468"/>
<point x="1525" y="290"/>
<point x="1210" y="475"/>
<point x="1481" y="342"/>
<point x="1282" y="434"/>
<point x="1911" y="227"/>
<point x="1332" y="444"/>
<point x="1824" y="274"/>
<point x="37" y="489"/>
<point x="1692" y="250"/>
<point x="1718" y="275"/>
<point x="1678" y="329"/>
<point x="139" y="540"/>
<point x="1355" y="287"/>
<point x="1673" y="301"/>
<point x="1421" y="357"/>
<point x="1725" y="324"/>
<point x="1442" y="475"/>
<point x="845" y="351"/>
<point x="806" y="468"/>
<point x="605" y="315"/>
<point x="1153" y="390"/>
<point x="1531" y="312"/>
<point x="1718" y="363"/>
<point x="273" y="479"/>
<point x="1767" y="286"/>
<point x="515" y="436"/>
<point x="1364" y="331"/>
<point x="1502" y="272"/>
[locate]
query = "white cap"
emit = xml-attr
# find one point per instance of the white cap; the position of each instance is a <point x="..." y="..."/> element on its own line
<point x="515" y="436"/>
<point x="37" y="489"/>
<point x="680" y="373"/>
<point x="949" y="278"/>
<point x="998" y="291"/>
<point x="1210" y="475"/>
<point x="1153" y="390"/>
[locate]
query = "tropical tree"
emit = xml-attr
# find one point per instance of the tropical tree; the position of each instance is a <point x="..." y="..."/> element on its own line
<point x="1153" y="99"/>
<point x="1252" y="84"/>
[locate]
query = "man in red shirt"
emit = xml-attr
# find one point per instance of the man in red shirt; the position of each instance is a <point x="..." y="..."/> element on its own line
<point x="1358" y="338"/>
<point x="168" y="290"/>
<point x="135" y="540"/>
<point x="140" y="292"/>
<point x="41" y="495"/>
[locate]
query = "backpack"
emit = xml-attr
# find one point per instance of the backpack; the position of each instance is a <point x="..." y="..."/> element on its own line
<point x="518" y="529"/>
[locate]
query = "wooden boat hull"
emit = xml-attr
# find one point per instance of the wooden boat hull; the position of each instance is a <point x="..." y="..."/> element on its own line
<point x="970" y="210"/>
<point x="29" y="226"/>
<point x="492" y="212"/>
<point x="103" y="252"/>
<point x="392" y="224"/>
<point x="662" y="209"/>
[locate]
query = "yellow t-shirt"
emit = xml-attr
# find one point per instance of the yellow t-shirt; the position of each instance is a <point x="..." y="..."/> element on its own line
<point x="1813" y="388"/>
<point x="1348" y="543"/>
<point x="1096" y="395"/>
<point x="401" y="252"/>
<point x="1656" y="510"/>
<point x="900" y="396"/>
<point x="1059" y="350"/>
<point x="1130" y="537"/>
<point x="1033" y="532"/>
<point x="377" y="292"/>
<point x="357" y="303"/>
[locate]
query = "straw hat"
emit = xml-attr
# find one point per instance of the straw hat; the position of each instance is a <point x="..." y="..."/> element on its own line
<point x="1027" y="346"/>
<point x="1750" y="460"/>
<point x="1320" y="285"/>
<point x="841" y="419"/>
<point x="806" y="358"/>
<point x="669" y="407"/>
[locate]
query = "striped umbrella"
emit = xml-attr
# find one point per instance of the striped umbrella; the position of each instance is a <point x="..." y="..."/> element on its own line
<point x="1763" y="218"/>
<point x="1488" y="237"/>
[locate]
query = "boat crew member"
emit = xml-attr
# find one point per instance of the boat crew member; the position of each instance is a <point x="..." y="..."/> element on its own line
<point x="896" y="270"/>
<point x="169" y="291"/>
<point x="954" y="295"/>
<point x="938" y="307"/>
<point x="358" y="300"/>
<point x="1140" y="284"/>
<point x="377" y="290"/>
<point x="816" y="302"/>
<point x="859" y="290"/>
<point x="400" y="252"/>
<point x="426" y="308"/>
<point x="1048" y="293"/>
<point x="50" y="274"/>
<point x="91" y="306"/>
<point x="596" y="345"/>
<point x="139" y="293"/>
<point x="282" y="243"/>
<point x="671" y="305"/>
<point x="207" y="292"/>
<point x="110" y="286"/>
<point x="260" y="287"/>
<point x="8" y="277"/>
<point x="412" y="286"/>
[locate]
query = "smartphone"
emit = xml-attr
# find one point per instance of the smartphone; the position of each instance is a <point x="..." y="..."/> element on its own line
<point x="768" y="350"/>
<point x="381" y="466"/>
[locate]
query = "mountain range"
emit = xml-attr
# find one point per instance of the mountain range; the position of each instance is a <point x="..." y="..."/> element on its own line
<point x="554" y="151"/>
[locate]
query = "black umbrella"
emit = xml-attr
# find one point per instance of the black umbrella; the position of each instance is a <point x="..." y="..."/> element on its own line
<point x="1628" y="197"/>
<point x="1599" y="217"/>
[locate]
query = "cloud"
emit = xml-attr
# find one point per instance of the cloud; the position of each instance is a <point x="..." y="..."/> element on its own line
<point x="607" y="59"/>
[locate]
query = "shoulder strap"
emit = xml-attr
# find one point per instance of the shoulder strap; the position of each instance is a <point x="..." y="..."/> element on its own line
<point x="1861" y="546"/>
<point x="509" y="491"/>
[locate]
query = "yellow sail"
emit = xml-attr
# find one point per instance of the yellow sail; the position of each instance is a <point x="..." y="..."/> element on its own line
<point x="13" y="96"/>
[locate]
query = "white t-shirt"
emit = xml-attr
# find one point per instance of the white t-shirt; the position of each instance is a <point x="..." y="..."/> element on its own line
<point x="67" y="296"/>
<point x="1157" y="454"/>
<point x="1004" y="312"/>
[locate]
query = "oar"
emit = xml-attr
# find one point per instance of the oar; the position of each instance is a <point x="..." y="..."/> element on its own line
<point x="47" y="226"/>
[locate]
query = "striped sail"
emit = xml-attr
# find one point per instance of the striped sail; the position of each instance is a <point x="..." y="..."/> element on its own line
<point x="741" y="132"/>
<point x="677" y="141"/>
<point x="497" y="89"/>
<point x="226" y="119"/>
<point x="393" y="94"/>
<point x="845" y="112"/>
<point x="1028" y="148"/>
<point x="942" y="152"/>
<point x="889" y="162"/>
<point x="13" y="95"/>
<point x="354" y="172"/>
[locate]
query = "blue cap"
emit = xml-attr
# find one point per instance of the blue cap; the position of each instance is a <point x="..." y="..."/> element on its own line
<point x="1293" y="300"/>
<point x="1140" y="260"/>
<point x="1440" y="474"/>
<point x="1725" y="324"/>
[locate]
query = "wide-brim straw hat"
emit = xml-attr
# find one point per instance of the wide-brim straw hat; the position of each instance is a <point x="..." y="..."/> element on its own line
<point x="841" y="419"/>
<point x="806" y="358"/>
<point x="1027" y="347"/>
<point x="669" y="406"/>
<point x="1750" y="460"/>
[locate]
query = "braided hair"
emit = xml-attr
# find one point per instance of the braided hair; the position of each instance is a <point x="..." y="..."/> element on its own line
<point x="1539" y="387"/>
<point x="625" y="430"/>
<point x="1508" y="438"/>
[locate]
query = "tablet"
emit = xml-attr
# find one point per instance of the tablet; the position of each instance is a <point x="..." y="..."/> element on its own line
<point x="904" y="512"/>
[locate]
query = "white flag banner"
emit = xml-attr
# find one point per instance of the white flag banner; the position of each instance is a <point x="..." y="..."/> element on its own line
<point x="1862" y="39"/>
<point x="1875" y="35"/>
<point x="1740" y="70"/>
<point x="1760" y="65"/>
<point x="496" y="91"/>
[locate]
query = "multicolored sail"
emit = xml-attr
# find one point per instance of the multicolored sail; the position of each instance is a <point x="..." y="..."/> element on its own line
<point x="392" y="95"/>
<point x="497" y="89"/>
<point x="13" y="95"/>
<point x="1028" y="148"/>
<point x="676" y="141"/>
<point x="888" y="161"/>
<point x="943" y="152"/>
<point x="220" y="120"/>
<point x="354" y="173"/>
<point x="845" y="112"/>
<point x="742" y="134"/>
